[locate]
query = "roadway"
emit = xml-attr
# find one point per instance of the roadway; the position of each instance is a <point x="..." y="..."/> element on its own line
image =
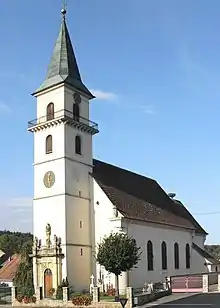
<point x="208" y="300"/>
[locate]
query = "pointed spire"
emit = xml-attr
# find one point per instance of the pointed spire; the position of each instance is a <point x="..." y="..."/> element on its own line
<point x="63" y="66"/>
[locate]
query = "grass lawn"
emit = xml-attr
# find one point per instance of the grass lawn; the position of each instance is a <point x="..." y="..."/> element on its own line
<point x="109" y="298"/>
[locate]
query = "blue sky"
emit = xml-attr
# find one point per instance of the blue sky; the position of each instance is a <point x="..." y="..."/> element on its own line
<point x="155" y="67"/>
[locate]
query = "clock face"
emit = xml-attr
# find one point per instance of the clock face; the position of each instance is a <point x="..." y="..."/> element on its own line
<point x="49" y="179"/>
<point x="77" y="98"/>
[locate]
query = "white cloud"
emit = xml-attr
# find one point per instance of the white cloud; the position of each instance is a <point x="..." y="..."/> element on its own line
<point x="18" y="204"/>
<point x="4" y="108"/>
<point x="104" y="96"/>
<point x="148" y="109"/>
<point x="16" y="214"/>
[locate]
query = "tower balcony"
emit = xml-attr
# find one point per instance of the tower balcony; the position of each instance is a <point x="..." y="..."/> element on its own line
<point x="63" y="116"/>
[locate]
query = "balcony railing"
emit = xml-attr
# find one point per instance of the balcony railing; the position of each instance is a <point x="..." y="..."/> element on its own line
<point x="64" y="115"/>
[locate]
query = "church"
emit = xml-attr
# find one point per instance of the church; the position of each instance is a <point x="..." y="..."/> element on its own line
<point x="78" y="199"/>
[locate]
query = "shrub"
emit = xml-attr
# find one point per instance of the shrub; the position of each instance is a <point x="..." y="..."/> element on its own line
<point x="82" y="300"/>
<point x="51" y="291"/>
<point x="33" y="299"/>
<point x="111" y="292"/>
<point x="59" y="293"/>
<point x="26" y="300"/>
<point x="19" y="298"/>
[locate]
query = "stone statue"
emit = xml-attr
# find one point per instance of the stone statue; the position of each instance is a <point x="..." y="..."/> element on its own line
<point x="39" y="244"/>
<point x="59" y="242"/>
<point x="48" y="235"/>
<point x="55" y="241"/>
<point x="35" y="243"/>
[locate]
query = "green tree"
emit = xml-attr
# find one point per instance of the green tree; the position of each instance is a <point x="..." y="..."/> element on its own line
<point x="23" y="279"/>
<point x="12" y="242"/>
<point x="213" y="250"/>
<point x="118" y="253"/>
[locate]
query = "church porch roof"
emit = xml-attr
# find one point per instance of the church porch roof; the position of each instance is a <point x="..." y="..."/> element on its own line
<point x="205" y="254"/>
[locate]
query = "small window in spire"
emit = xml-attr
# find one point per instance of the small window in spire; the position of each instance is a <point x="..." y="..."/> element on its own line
<point x="50" y="111"/>
<point x="49" y="145"/>
<point x="76" y="112"/>
<point x="78" y="147"/>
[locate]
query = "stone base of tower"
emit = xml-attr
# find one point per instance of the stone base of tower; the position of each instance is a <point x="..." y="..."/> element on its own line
<point x="47" y="264"/>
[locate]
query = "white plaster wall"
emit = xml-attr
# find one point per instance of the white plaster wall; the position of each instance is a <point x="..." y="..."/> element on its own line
<point x="55" y="96"/>
<point x="198" y="262"/>
<point x="83" y="107"/>
<point x="58" y="168"/>
<point x="104" y="225"/>
<point x="70" y="199"/>
<point x="62" y="98"/>
<point x="154" y="232"/>
<point x="50" y="210"/>
<point x="199" y="240"/>
<point x="79" y="267"/>
<point x="77" y="178"/>
<point x="78" y="210"/>
<point x="157" y="234"/>
<point x="86" y="143"/>
<point x="58" y="138"/>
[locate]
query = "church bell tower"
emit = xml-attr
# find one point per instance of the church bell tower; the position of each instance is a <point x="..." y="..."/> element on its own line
<point x="63" y="161"/>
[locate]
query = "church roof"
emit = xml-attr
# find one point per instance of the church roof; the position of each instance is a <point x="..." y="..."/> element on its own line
<point x="63" y="66"/>
<point x="141" y="198"/>
<point x="205" y="254"/>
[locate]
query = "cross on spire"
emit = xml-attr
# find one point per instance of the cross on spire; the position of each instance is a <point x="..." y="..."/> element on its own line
<point x="63" y="11"/>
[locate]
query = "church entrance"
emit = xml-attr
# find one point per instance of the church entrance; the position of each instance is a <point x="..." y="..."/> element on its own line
<point x="48" y="284"/>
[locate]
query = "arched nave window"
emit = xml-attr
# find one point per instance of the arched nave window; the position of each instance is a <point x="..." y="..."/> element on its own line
<point x="164" y="255"/>
<point x="78" y="146"/>
<point x="50" y="111"/>
<point x="150" y="256"/>
<point x="176" y="256"/>
<point x="187" y="256"/>
<point x="49" y="145"/>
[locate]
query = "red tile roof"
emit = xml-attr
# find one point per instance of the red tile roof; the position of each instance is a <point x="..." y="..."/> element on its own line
<point x="7" y="272"/>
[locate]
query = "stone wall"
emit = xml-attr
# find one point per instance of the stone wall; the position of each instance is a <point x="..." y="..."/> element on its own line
<point x="45" y="302"/>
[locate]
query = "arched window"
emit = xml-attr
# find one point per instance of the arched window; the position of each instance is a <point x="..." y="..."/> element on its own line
<point x="176" y="256"/>
<point x="187" y="256"/>
<point x="150" y="256"/>
<point x="76" y="112"/>
<point x="164" y="255"/>
<point x="50" y="111"/>
<point x="49" y="145"/>
<point x="78" y="148"/>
